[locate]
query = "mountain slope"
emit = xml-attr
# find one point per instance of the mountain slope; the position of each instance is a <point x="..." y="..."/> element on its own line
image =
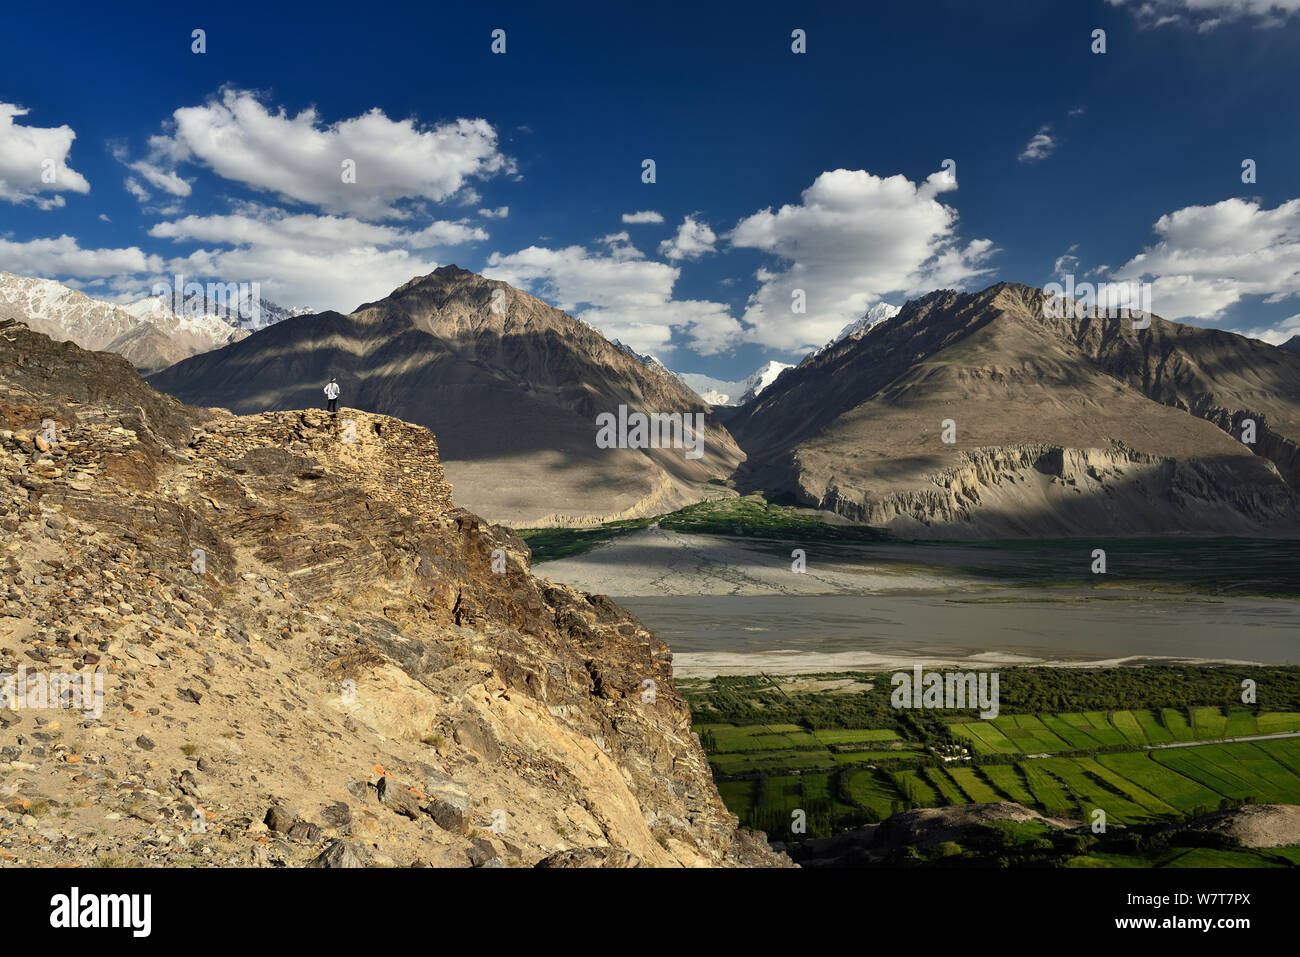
<point x="513" y="396"/>
<point x="305" y="652"/>
<point x="147" y="332"/>
<point x="1063" y="426"/>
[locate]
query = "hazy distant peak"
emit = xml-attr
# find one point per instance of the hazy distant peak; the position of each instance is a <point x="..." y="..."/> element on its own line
<point x="720" y="392"/>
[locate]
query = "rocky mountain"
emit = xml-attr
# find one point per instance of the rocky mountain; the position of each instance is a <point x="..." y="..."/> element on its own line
<point x="151" y="338"/>
<point x="1060" y="427"/>
<point x="876" y="314"/>
<point x="719" y="392"/>
<point x="243" y="312"/>
<point x="511" y="385"/>
<point x="642" y="357"/>
<point x="150" y="332"/>
<point x="1292" y="344"/>
<point x="277" y="641"/>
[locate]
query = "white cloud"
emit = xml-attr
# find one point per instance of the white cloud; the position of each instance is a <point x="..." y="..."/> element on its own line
<point x="692" y="241"/>
<point x="1277" y="334"/>
<point x="1067" y="263"/>
<point x="1040" y="146"/>
<point x="300" y="158"/>
<point x="1209" y="257"/>
<point x="501" y="212"/>
<point x="308" y="231"/>
<point x="135" y="189"/>
<point x="620" y="246"/>
<point x="153" y="170"/>
<point x="64" y="257"/>
<point x="325" y="262"/>
<point x="852" y="240"/>
<point x="572" y="276"/>
<point x="709" y="327"/>
<point x="339" y="279"/>
<point x="26" y="152"/>
<point x="645" y="216"/>
<point x="624" y="295"/>
<point x="1205" y="15"/>
<point x="162" y="179"/>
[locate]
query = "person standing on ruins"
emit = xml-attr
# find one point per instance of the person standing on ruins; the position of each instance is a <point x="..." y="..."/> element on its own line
<point x="332" y="395"/>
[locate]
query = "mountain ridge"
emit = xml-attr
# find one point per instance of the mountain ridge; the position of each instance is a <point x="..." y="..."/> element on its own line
<point x="147" y="331"/>
<point x="461" y="354"/>
<point x="858" y="427"/>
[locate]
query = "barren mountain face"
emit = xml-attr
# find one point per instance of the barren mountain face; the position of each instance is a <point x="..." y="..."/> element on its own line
<point x="307" y="649"/>
<point x="511" y="386"/>
<point x="1062" y="426"/>
<point x="151" y="339"/>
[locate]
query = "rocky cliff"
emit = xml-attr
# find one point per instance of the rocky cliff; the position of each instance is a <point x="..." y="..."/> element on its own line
<point x="306" y="652"/>
<point x="1046" y="490"/>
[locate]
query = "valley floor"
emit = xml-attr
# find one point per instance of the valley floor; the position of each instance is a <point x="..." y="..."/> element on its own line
<point x="732" y="604"/>
<point x="660" y="561"/>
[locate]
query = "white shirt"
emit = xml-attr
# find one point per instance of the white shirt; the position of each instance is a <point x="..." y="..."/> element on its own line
<point x="332" y="390"/>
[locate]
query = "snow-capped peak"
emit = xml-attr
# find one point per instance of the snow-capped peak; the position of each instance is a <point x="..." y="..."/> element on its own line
<point x="720" y="392"/>
<point x="645" y="358"/>
<point x="148" y="331"/>
<point x="876" y="314"/>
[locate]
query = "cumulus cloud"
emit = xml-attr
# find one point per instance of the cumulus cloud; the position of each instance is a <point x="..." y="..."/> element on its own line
<point x="692" y="241"/>
<point x="309" y="231"/>
<point x="1278" y="334"/>
<point x="339" y="279"/>
<point x="29" y="154"/>
<point x="624" y="295"/>
<point x="645" y="216"/>
<point x="1209" y="257"/>
<point x="709" y="327"/>
<point x="302" y="159"/>
<point x="341" y="252"/>
<point x="1040" y="146"/>
<point x="572" y="276"/>
<point x="853" y="239"/>
<point x="64" y="257"/>
<point x="320" y="261"/>
<point x="1206" y="15"/>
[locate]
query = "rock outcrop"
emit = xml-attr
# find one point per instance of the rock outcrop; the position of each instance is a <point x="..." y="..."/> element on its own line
<point x="1255" y="825"/>
<point x="307" y="653"/>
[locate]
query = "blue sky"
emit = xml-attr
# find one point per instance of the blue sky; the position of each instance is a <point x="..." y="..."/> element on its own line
<point x="775" y="171"/>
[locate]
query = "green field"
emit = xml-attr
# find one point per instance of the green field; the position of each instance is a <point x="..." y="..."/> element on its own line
<point x="866" y="736"/>
<point x="1078" y="732"/>
<point x="832" y="752"/>
<point x="1009" y="782"/>
<point x="1064" y="765"/>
